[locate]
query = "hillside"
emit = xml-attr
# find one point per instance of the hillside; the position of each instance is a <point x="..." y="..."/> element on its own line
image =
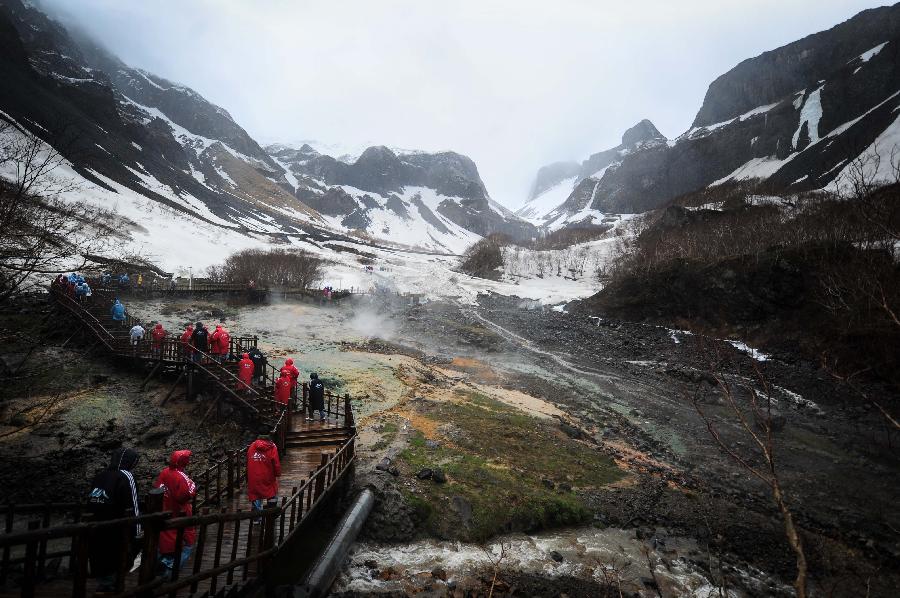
<point x="795" y="117"/>
<point x="139" y="143"/>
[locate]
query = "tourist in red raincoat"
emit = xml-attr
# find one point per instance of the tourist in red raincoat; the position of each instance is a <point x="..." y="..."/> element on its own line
<point x="289" y="369"/>
<point x="218" y="343"/>
<point x="263" y="470"/>
<point x="283" y="388"/>
<point x="245" y="372"/>
<point x="186" y="341"/>
<point x="179" y="491"/>
<point x="157" y="335"/>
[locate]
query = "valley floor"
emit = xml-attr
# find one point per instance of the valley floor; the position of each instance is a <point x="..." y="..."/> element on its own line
<point x="528" y="450"/>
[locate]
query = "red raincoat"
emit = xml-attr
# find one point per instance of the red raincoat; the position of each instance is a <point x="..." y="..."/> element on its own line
<point x="263" y="470"/>
<point x="245" y="371"/>
<point x="186" y="340"/>
<point x="158" y="334"/>
<point x="283" y="389"/>
<point x="180" y="489"/>
<point x="219" y="341"/>
<point x="289" y="369"/>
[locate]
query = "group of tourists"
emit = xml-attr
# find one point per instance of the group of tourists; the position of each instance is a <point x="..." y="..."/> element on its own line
<point x="74" y="285"/>
<point x="115" y="492"/>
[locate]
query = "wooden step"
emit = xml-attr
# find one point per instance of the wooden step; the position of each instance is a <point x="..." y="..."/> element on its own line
<point x="318" y="433"/>
<point x="314" y="442"/>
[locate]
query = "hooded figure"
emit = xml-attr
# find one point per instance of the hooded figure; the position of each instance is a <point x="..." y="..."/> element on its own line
<point x="186" y="341"/>
<point x="179" y="492"/>
<point x="263" y="470"/>
<point x="245" y="372"/>
<point x="283" y="388"/>
<point x="158" y="334"/>
<point x="291" y="371"/>
<point x="200" y="339"/>
<point x="316" y="397"/>
<point x="113" y="496"/>
<point x="221" y="342"/>
<point x="259" y="362"/>
<point x="118" y="311"/>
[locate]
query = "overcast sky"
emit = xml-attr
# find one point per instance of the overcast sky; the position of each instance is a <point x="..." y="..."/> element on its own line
<point x="513" y="84"/>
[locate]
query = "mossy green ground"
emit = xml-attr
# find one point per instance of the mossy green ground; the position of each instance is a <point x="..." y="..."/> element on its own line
<point x="498" y="462"/>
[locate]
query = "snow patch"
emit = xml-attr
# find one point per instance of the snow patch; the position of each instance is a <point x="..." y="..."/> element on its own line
<point x="811" y="114"/>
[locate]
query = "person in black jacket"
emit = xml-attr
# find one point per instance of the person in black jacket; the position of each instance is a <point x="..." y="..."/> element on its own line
<point x="316" y="397"/>
<point x="200" y="341"/>
<point x="259" y="363"/>
<point x="113" y="496"/>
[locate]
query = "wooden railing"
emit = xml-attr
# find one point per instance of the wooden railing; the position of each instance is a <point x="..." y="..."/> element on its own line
<point x="243" y="542"/>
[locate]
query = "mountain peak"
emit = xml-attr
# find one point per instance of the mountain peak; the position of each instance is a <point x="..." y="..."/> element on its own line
<point x="643" y="131"/>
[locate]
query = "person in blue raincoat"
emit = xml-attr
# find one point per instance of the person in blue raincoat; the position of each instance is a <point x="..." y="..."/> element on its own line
<point x="118" y="313"/>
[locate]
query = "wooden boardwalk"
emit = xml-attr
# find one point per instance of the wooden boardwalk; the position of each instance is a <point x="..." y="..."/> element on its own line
<point x="44" y="548"/>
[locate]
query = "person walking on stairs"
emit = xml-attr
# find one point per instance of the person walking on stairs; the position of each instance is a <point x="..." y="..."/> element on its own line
<point x="316" y="397"/>
<point x="263" y="471"/>
<point x="259" y="363"/>
<point x="291" y="370"/>
<point x="179" y="491"/>
<point x="136" y="335"/>
<point x="200" y="340"/>
<point x="186" y="349"/>
<point x="113" y="496"/>
<point x="245" y="373"/>
<point x="283" y="387"/>
<point x="118" y="313"/>
<point x="158" y="334"/>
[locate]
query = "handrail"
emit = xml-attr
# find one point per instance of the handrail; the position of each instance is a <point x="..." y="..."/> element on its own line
<point x="221" y="478"/>
<point x="280" y="523"/>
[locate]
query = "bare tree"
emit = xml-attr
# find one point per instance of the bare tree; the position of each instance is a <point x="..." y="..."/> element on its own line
<point x="272" y="267"/>
<point x="750" y="408"/>
<point x="40" y="233"/>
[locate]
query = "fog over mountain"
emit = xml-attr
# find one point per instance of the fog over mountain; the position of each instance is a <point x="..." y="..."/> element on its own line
<point x="513" y="89"/>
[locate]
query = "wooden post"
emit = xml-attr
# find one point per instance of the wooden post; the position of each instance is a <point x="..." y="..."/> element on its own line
<point x="306" y="406"/>
<point x="9" y="525"/>
<point x="230" y="476"/>
<point x="268" y="541"/>
<point x="147" y="572"/>
<point x="320" y="479"/>
<point x="29" y="573"/>
<point x="348" y="412"/>
<point x="80" y="567"/>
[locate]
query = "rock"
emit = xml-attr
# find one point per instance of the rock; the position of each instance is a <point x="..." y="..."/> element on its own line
<point x="424" y="474"/>
<point x="565" y="487"/>
<point x="439" y="573"/>
<point x="371" y="563"/>
<point x="393" y="471"/>
<point x="556" y="556"/>
<point x="156" y="433"/>
<point x="432" y="444"/>
<point x="438" y="476"/>
<point x="548" y="484"/>
<point x="571" y="431"/>
<point x="383" y="465"/>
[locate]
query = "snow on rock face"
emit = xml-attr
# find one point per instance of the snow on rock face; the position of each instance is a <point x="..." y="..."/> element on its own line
<point x="869" y="54"/>
<point x="437" y="199"/>
<point x="560" y="201"/>
<point x="810" y="115"/>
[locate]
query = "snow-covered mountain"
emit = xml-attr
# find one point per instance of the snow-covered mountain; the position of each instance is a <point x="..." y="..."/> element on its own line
<point x="562" y="192"/>
<point x="124" y="128"/>
<point x="427" y="199"/>
<point x="795" y="117"/>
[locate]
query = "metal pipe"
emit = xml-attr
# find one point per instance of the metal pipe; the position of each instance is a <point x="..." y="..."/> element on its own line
<point x="329" y="563"/>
